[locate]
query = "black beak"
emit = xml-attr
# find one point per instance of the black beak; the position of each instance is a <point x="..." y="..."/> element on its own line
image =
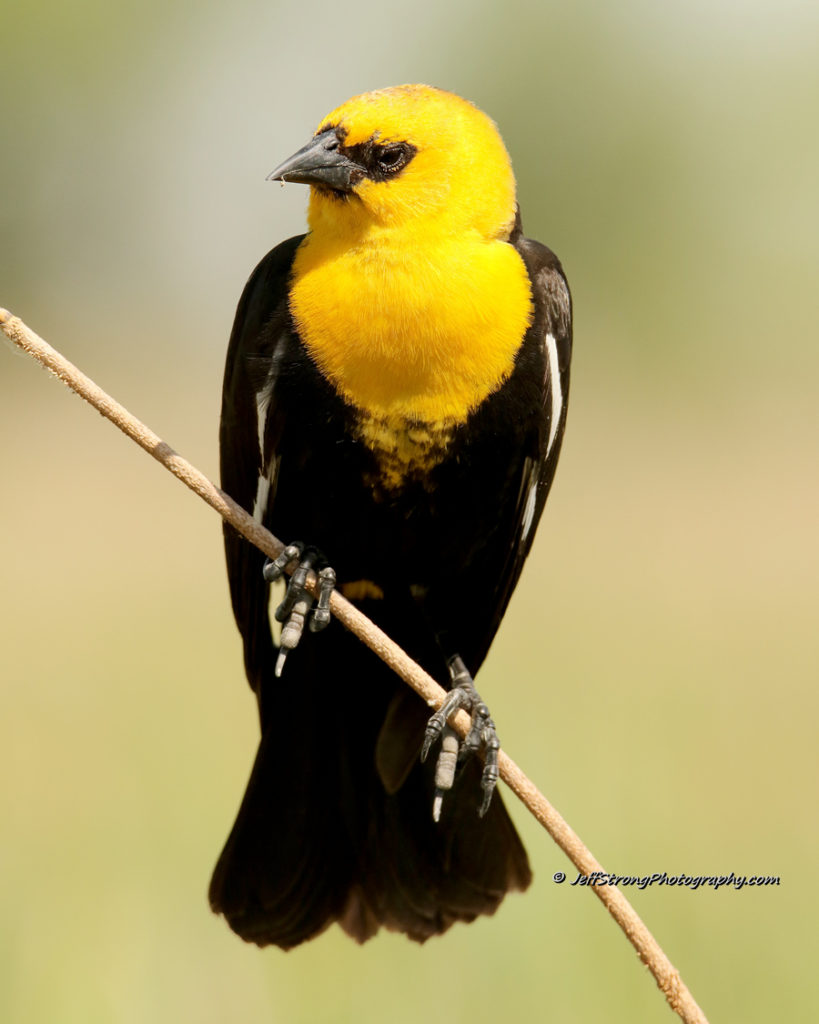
<point x="320" y="162"/>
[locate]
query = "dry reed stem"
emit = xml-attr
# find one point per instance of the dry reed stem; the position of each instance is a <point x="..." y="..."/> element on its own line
<point x="668" y="979"/>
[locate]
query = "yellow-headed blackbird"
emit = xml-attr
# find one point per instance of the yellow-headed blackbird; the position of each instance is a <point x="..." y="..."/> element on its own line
<point x="395" y="397"/>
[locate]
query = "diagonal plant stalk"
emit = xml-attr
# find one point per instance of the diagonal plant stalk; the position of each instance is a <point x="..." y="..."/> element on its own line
<point x="648" y="949"/>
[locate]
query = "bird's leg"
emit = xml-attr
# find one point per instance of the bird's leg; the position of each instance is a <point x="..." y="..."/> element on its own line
<point x="295" y="608"/>
<point x="482" y="734"/>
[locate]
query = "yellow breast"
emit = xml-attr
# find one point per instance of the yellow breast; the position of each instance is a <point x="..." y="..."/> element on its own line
<point x="412" y="335"/>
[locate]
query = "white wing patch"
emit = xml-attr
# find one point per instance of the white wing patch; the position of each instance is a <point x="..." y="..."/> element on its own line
<point x="261" y="417"/>
<point x="555" y="389"/>
<point x="529" y="482"/>
<point x="270" y="467"/>
<point x="263" y="398"/>
<point x="262" y="494"/>
<point x="529" y="510"/>
<point x="264" y="484"/>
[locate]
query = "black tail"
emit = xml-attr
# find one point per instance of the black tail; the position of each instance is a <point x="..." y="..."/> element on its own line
<point x="319" y="838"/>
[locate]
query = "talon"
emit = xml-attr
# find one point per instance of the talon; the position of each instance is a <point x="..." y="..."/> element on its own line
<point x="435" y="726"/>
<point x="488" y="787"/>
<point x="294" y="610"/>
<point x="481" y="736"/>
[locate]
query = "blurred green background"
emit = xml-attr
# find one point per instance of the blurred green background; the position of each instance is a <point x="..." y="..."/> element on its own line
<point x="657" y="671"/>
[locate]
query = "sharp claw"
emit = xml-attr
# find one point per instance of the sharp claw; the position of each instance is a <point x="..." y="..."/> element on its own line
<point x="432" y="732"/>
<point x="487" y="800"/>
<point x="489" y="782"/>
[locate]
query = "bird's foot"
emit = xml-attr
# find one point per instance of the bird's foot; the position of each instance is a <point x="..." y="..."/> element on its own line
<point x="482" y="735"/>
<point x="298" y="602"/>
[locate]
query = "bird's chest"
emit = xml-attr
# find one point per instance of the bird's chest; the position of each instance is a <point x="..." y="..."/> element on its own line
<point x="409" y="335"/>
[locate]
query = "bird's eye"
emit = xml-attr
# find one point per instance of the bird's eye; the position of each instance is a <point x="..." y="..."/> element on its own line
<point x="391" y="159"/>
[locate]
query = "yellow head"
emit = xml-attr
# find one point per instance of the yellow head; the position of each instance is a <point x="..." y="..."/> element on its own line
<point x="405" y="156"/>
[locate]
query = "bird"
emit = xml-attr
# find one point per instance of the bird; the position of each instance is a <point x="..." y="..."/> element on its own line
<point x="394" y="403"/>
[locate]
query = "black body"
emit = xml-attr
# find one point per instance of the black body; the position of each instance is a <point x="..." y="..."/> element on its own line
<point x="336" y="823"/>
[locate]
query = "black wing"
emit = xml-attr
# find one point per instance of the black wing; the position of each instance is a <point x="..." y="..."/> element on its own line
<point x="551" y="335"/>
<point x="528" y="415"/>
<point x="260" y="327"/>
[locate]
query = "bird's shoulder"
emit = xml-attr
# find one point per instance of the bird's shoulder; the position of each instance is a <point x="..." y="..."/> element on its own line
<point x="264" y="296"/>
<point x="550" y="292"/>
